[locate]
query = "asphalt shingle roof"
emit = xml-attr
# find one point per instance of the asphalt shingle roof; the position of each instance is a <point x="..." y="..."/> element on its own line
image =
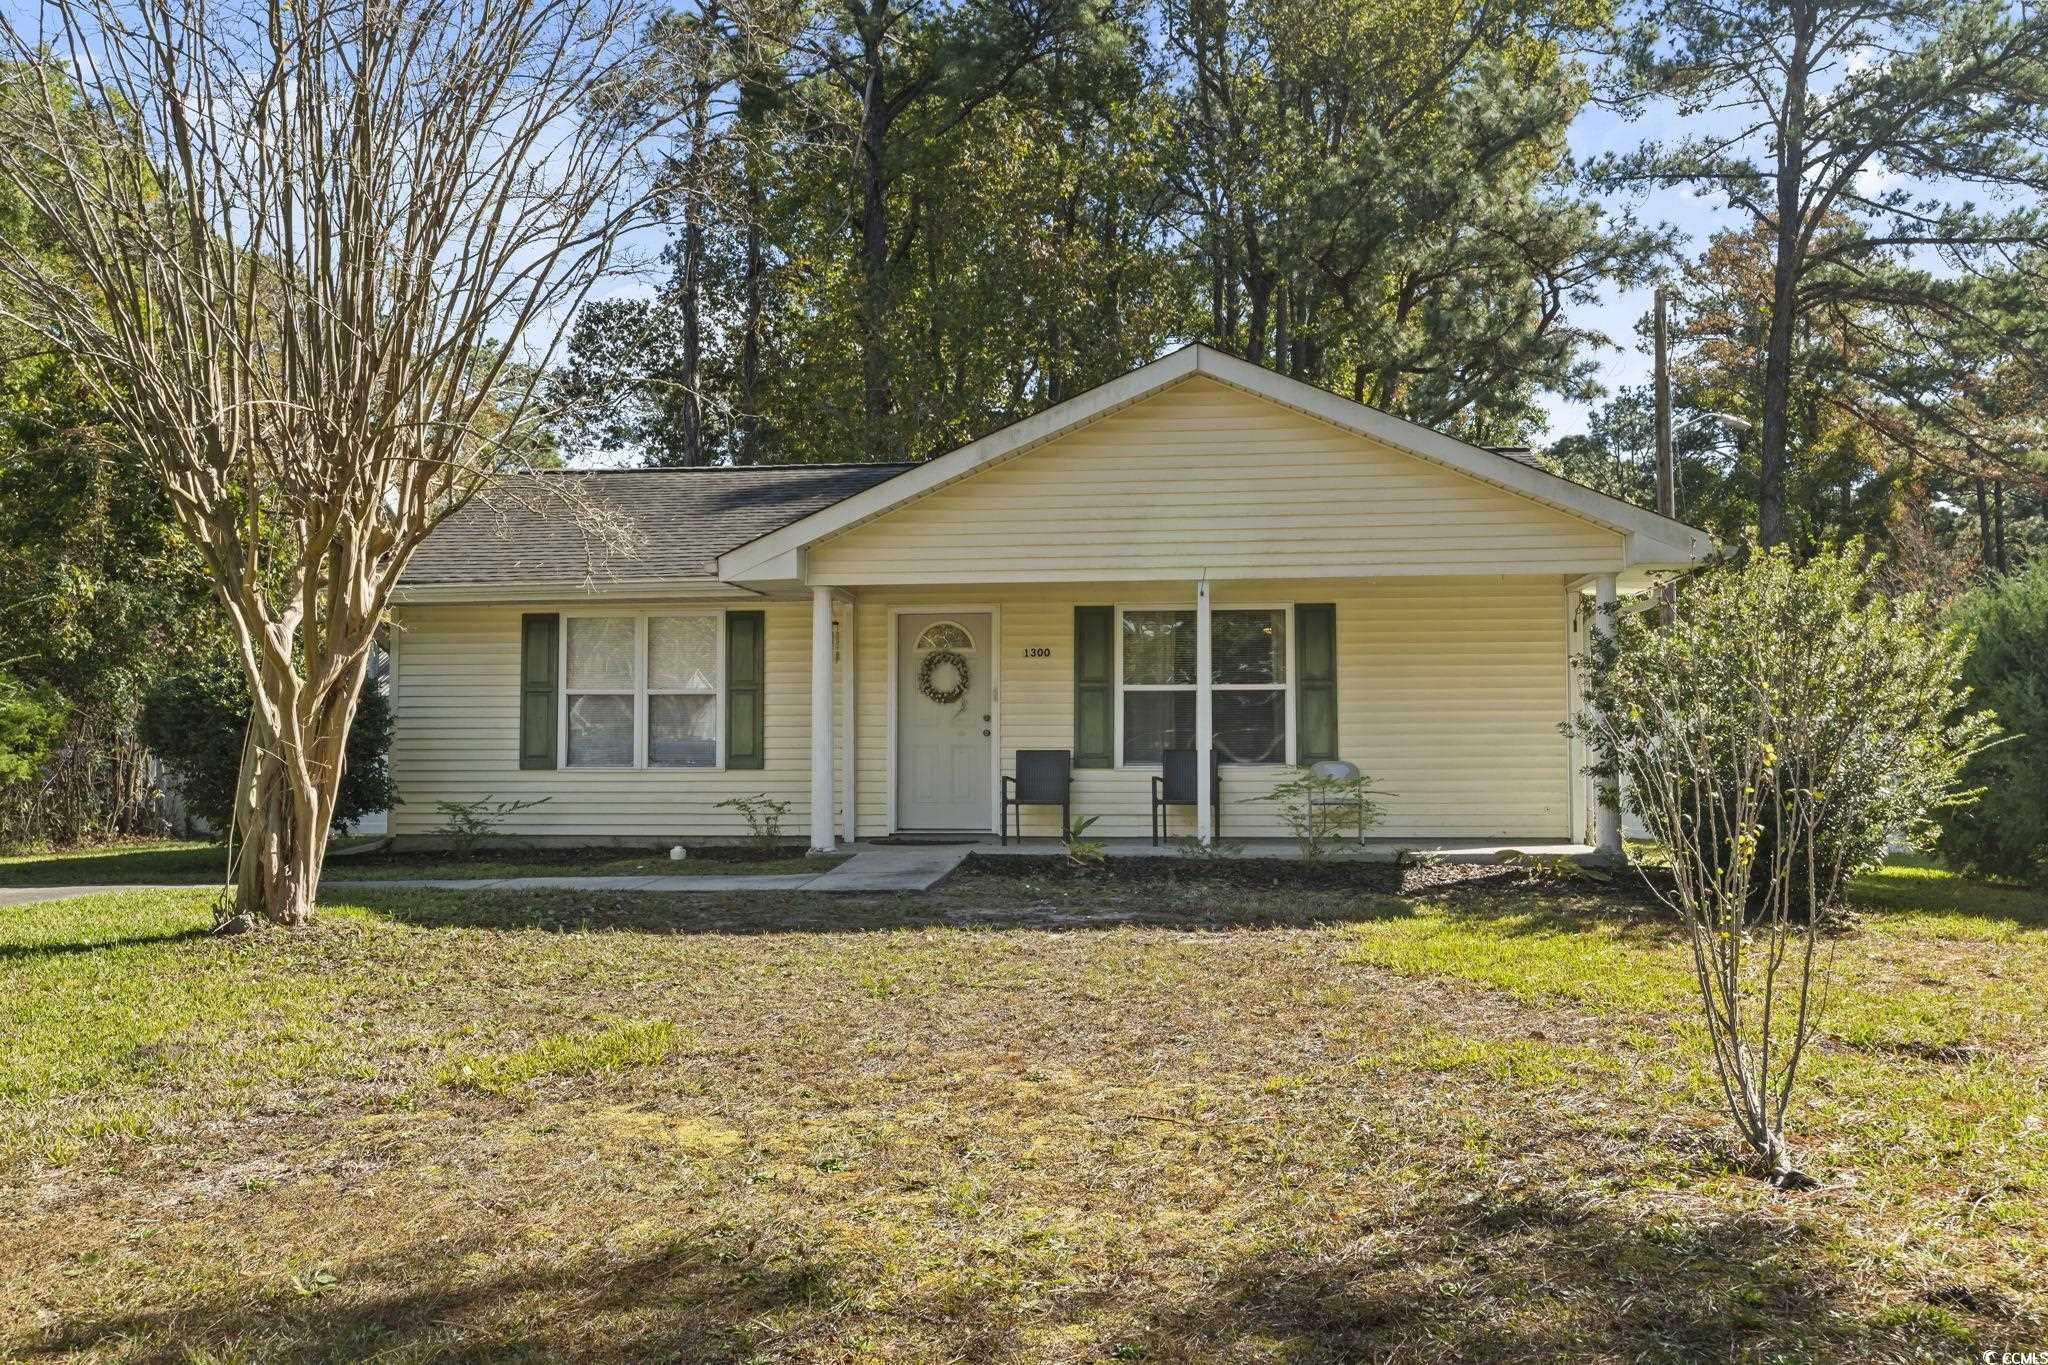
<point x="679" y="521"/>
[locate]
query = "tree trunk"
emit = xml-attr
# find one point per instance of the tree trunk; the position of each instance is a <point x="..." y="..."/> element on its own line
<point x="874" y="236"/>
<point x="282" y="822"/>
<point x="750" y="342"/>
<point x="276" y="873"/>
<point x="1998" y="525"/>
<point x="1218" y="288"/>
<point x="1785" y="272"/>
<point x="1984" y="525"/>
<point x="1283" y="331"/>
<point x="691" y="272"/>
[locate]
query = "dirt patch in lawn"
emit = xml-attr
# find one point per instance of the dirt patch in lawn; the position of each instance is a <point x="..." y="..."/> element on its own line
<point x="544" y="1126"/>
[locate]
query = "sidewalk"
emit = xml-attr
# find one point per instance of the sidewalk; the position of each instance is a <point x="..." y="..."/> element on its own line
<point x="873" y="870"/>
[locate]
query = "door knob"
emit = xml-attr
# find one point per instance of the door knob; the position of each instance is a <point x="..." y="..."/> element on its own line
<point x="984" y="734"/>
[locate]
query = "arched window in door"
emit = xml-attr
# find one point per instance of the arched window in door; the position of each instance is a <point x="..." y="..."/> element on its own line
<point x="945" y="635"/>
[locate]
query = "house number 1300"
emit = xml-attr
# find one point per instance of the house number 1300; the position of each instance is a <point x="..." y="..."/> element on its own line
<point x="1038" y="652"/>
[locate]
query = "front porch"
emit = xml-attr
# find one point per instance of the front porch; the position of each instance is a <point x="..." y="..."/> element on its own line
<point x="1448" y="691"/>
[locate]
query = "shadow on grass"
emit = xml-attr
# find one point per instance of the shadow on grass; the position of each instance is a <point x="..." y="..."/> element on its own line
<point x="1475" y="1277"/>
<point x="33" y="952"/>
<point x="748" y="913"/>
<point x="1913" y="886"/>
<point x="691" y="1300"/>
<point x="1542" y="1278"/>
<point x="117" y="866"/>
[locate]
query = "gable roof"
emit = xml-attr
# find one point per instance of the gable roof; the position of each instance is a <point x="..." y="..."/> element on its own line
<point x="680" y="520"/>
<point x="1653" y="541"/>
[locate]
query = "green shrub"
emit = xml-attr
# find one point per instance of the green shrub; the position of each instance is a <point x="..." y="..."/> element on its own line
<point x="1809" y="662"/>
<point x="1323" y="810"/>
<point x="469" y="825"/>
<point x="196" y="720"/>
<point x="31" y="718"/>
<point x="764" y="816"/>
<point x="2005" y="832"/>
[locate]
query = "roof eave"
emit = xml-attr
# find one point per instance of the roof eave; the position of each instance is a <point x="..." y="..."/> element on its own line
<point x="559" y="589"/>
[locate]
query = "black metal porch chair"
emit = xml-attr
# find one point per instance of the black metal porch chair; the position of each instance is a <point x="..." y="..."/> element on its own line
<point x="1176" y="786"/>
<point x="1045" y="777"/>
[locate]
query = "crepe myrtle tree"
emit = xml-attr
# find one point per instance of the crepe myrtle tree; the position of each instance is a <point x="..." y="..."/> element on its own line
<point x="309" y="256"/>
<point x="1778" y="735"/>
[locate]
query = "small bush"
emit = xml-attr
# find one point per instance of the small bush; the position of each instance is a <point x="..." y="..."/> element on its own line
<point x="467" y="824"/>
<point x="764" y="816"/>
<point x="1775" y="737"/>
<point x="1321" y="810"/>
<point x="2005" y="832"/>
<point x="1806" y="657"/>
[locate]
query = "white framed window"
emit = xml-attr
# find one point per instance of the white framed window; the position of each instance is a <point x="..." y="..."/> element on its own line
<point x="1251" y="685"/>
<point x="643" y="690"/>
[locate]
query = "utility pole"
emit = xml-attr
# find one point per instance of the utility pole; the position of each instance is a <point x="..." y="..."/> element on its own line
<point x="1667" y="473"/>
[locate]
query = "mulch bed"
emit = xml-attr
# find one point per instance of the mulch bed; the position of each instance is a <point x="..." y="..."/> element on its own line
<point x="1406" y="878"/>
<point x="564" y="858"/>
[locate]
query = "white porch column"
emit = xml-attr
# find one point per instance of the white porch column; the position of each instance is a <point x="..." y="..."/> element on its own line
<point x="821" y="720"/>
<point x="1205" y="715"/>
<point x="1607" y="823"/>
<point x="850" y="668"/>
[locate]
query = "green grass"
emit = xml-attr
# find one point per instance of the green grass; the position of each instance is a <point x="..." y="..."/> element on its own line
<point x="168" y="860"/>
<point x="633" y="1042"/>
<point x="200" y="863"/>
<point x="1052" y="1119"/>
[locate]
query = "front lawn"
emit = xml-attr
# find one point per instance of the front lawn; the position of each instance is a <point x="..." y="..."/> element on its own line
<point x="202" y="864"/>
<point x="1018" y="1119"/>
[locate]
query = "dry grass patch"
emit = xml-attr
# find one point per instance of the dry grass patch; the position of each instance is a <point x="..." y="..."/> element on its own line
<point x="1184" y="1123"/>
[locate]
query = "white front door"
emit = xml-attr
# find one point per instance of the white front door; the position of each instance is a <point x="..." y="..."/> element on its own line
<point x="943" y="741"/>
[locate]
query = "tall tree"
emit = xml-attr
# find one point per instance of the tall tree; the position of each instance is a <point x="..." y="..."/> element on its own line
<point x="308" y="243"/>
<point x="884" y="62"/>
<point x="1382" y="200"/>
<point x="1853" y="133"/>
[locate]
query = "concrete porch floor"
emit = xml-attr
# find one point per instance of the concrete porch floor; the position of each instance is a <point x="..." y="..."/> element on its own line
<point x="1371" y="850"/>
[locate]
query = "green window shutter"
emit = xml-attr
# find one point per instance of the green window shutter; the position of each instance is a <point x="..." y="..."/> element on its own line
<point x="539" y="657"/>
<point x="746" y="671"/>
<point x="1315" y="674"/>
<point x="1094" y="687"/>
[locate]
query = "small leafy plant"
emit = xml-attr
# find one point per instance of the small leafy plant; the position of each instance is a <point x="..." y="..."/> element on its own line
<point x="764" y="817"/>
<point x="1082" y="852"/>
<point x="1322" y="809"/>
<point x="468" y="823"/>
<point x="1188" y="846"/>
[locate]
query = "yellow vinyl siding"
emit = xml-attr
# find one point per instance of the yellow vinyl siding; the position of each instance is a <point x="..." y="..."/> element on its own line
<point x="1205" y="476"/>
<point x="456" y="734"/>
<point x="1450" y="693"/>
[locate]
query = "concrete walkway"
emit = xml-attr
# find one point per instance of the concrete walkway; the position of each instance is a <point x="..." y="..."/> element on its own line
<point x="872" y="870"/>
